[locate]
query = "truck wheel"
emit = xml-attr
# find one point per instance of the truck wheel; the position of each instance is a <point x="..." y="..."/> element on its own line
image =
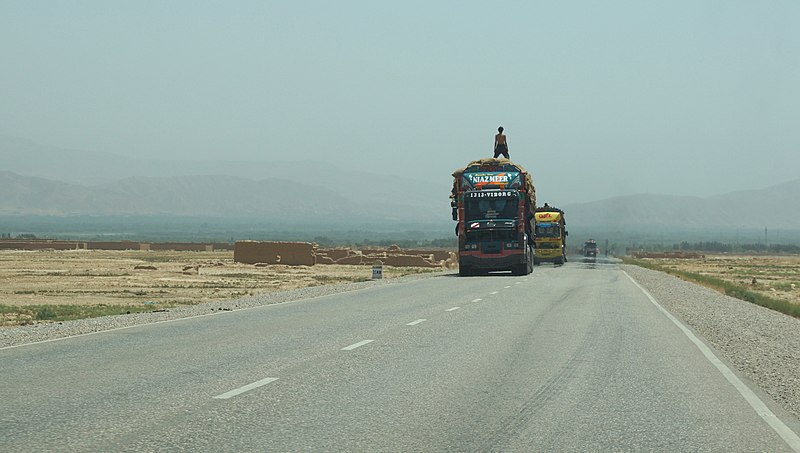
<point x="520" y="269"/>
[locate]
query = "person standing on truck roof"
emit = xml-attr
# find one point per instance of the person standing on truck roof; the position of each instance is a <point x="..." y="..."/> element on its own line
<point x="500" y="144"/>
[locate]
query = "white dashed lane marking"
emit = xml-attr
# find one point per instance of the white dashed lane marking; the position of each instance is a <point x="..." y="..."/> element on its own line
<point x="477" y="300"/>
<point x="356" y="345"/>
<point x="493" y="293"/>
<point x="414" y="323"/>
<point x="245" y="388"/>
<point x="453" y="309"/>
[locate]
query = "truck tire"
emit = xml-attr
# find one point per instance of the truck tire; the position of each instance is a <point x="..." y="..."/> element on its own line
<point x="522" y="268"/>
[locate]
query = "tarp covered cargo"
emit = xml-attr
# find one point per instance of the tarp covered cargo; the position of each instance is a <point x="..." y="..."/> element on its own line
<point x="547" y="216"/>
<point x="497" y="165"/>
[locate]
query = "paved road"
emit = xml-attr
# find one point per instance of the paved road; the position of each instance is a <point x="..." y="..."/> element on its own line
<point x="571" y="358"/>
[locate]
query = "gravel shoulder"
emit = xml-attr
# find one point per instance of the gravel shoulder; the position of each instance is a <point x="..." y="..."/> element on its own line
<point x="762" y="344"/>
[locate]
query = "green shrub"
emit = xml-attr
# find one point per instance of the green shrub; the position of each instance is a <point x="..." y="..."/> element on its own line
<point x="46" y="313"/>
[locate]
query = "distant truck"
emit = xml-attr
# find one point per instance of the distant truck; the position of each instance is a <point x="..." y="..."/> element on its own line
<point x="590" y="248"/>
<point x="550" y="235"/>
<point x="492" y="201"/>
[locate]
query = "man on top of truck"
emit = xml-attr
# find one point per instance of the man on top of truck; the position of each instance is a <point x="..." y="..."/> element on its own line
<point x="500" y="144"/>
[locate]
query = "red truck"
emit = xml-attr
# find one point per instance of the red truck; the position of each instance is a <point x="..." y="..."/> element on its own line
<point x="492" y="201"/>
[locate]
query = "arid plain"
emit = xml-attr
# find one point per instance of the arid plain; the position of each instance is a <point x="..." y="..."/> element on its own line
<point x="777" y="277"/>
<point x="41" y="285"/>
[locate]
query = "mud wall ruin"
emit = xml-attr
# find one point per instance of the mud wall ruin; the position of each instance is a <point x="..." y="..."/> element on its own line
<point x="288" y="253"/>
<point x="41" y="245"/>
<point x="252" y="252"/>
<point x="53" y="244"/>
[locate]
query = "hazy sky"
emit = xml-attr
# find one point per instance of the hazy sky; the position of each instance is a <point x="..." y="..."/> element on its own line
<point x="598" y="98"/>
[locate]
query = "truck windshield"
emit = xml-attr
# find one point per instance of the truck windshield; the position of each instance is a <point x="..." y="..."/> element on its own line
<point x="491" y="208"/>
<point x="548" y="231"/>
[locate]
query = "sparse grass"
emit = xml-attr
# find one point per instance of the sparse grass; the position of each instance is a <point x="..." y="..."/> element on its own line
<point x="786" y="286"/>
<point x="730" y="289"/>
<point x="325" y="279"/>
<point x="95" y="274"/>
<point x="406" y="271"/>
<point x="98" y="283"/>
<point x="249" y="276"/>
<point x="13" y="315"/>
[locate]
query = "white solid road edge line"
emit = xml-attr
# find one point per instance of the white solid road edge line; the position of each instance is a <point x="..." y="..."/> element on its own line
<point x="246" y="388"/>
<point x="356" y="345"/>
<point x="414" y="323"/>
<point x="789" y="436"/>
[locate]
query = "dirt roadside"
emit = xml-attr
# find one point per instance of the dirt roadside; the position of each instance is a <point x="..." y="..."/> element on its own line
<point x="776" y="276"/>
<point x="153" y="279"/>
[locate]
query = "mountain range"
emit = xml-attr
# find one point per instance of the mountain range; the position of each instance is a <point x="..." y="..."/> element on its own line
<point x="37" y="179"/>
<point x="41" y="180"/>
<point x="775" y="207"/>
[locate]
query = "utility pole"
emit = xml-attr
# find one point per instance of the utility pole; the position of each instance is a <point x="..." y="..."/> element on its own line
<point x="766" y="240"/>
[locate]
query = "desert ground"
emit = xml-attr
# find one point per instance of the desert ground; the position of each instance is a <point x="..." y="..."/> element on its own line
<point x="775" y="276"/>
<point x="149" y="280"/>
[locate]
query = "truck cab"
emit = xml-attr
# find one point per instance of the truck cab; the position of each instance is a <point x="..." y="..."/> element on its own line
<point x="550" y="235"/>
<point x="590" y="248"/>
<point x="492" y="205"/>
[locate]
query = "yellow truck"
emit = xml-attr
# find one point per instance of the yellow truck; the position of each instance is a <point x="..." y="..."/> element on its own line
<point x="549" y="235"/>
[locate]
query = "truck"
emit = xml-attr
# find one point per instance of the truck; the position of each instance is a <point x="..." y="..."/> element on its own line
<point x="492" y="202"/>
<point x="549" y="235"/>
<point x="590" y="248"/>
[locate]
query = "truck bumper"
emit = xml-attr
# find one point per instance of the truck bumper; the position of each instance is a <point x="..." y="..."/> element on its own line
<point x="542" y="255"/>
<point x="497" y="262"/>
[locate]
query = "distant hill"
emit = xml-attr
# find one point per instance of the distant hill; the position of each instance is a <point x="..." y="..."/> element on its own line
<point x="212" y="196"/>
<point x="37" y="179"/>
<point x="91" y="168"/>
<point x="72" y="181"/>
<point x="774" y="207"/>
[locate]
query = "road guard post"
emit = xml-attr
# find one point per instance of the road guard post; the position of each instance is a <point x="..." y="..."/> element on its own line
<point x="377" y="270"/>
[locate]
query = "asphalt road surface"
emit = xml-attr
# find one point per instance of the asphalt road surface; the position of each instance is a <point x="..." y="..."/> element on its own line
<point x="570" y="358"/>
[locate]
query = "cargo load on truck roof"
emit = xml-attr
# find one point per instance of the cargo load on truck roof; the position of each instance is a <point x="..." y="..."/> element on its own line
<point x="548" y="216"/>
<point x="548" y="213"/>
<point x="517" y="177"/>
